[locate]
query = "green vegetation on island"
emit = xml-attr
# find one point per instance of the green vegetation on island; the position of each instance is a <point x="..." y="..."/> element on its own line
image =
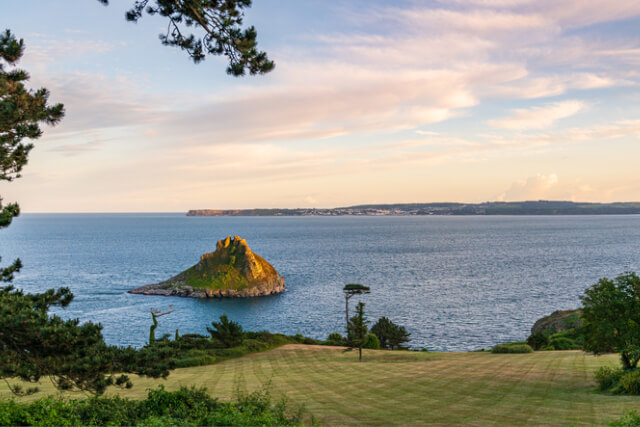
<point x="232" y="270"/>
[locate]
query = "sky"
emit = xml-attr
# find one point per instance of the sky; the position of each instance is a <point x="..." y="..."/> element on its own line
<point x="370" y="102"/>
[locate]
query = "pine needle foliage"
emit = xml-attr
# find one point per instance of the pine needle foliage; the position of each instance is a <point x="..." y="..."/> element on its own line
<point x="228" y="332"/>
<point x="218" y="26"/>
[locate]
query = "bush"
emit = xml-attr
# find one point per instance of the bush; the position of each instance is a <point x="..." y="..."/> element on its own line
<point x="607" y="377"/>
<point x="187" y="406"/>
<point x="195" y="358"/>
<point x="372" y="342"/>
<point x="538" y="340"/>
<point x="512" y="348"/>
<point x="301" y="339"/>
<point x="630" y="382"/>
<point x="336" y="339"/>
<point x="562" y="343"/>
<point x="254" y="346"/>
<point x="199" y="350"/>
<point x="630" y="419"/>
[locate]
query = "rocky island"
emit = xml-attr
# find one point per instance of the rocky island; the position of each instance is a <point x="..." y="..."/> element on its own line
<point x="232" y="271"/>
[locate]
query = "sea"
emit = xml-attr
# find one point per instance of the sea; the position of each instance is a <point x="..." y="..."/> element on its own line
<point x="457" y="283"/>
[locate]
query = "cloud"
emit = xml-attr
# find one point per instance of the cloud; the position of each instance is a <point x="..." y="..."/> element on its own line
<point x="539" y="117"/>
<point x="430" y="64"/>
<point x="347" y="104"/>
<point x="550" y="187"/>
<point x="538" y="187"/>
<point x="77" y="149"/>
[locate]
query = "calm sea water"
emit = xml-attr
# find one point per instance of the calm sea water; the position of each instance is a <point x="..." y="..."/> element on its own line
<point x="456" y="283"/>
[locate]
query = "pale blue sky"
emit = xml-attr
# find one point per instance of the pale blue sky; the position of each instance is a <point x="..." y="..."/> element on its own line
<point x="460" y="100"/>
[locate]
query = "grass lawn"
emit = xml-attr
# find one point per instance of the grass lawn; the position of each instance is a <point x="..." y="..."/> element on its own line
<point x="550" y="388"/>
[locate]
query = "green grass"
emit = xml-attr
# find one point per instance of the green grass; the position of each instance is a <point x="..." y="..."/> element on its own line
<point x="403" y="387"/>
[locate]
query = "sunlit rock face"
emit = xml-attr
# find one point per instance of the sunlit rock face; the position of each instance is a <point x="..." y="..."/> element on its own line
<point x="232" y="270"/>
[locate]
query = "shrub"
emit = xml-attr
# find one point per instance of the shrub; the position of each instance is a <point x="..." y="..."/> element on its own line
<point x="512" y="348"/>
<point x="301" y="339"/>
<point x="538" y="340"/>
<point x="630" y="419"/>
<point x="336" y="339"/>
<point x="562" y="343"/>
<point x="372" y="342"/>
<point x="630" y="382"/>
<point x="607" y="377"/>
<point x="187" y="406"/>
<point x="195" y="360"/>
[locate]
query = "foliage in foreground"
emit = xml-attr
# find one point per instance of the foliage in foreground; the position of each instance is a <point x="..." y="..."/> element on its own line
<point x="34" y="344"/>
<point x="630" y="419"/>
<point x="187" y="407"/>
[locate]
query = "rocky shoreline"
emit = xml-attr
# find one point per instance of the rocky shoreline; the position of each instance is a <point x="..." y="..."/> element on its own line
<point x="167" y="290"/>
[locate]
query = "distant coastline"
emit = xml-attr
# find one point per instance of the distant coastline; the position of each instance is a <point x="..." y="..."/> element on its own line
<point x="540" y="207"/>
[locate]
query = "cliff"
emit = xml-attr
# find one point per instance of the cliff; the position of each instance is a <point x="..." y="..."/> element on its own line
<point x="558" y="321"/>
<point x="233" y="270"/>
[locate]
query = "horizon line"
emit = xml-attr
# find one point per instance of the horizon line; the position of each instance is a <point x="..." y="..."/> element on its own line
<point x="335" y="207"/>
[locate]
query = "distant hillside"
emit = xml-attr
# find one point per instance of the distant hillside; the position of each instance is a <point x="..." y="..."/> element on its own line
<point x="540" y="207"/>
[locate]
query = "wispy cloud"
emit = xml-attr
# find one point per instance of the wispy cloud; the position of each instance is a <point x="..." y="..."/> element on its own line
<point x="395" y="94"/>
<point x="539" y="117"/>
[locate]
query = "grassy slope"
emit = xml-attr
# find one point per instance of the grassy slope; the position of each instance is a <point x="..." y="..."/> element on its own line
<point x="416" y="388"/>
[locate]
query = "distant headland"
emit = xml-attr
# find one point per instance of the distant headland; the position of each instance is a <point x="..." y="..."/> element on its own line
<point x="232" y="271"/>
<point x="539" y="207"/>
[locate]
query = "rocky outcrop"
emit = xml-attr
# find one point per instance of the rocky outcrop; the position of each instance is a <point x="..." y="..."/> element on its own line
<point x="558" y="321"/>
<point x="233" y="270"/>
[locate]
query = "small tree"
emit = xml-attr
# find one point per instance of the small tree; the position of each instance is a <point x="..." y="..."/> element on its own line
<point x="349" y="291"/>
<point x="399" y="337"/>
<point x="611" y="318"/>
<point x="228" y="332"/>
<point x="390" y="334"/>
<point x="357" y="330"/>
<point x="155" y="313"/>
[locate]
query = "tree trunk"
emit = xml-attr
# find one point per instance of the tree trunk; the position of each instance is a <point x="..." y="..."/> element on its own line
<point x="626" y="362"/>
<point x="360" y="354"/>
<point x="152" y="329"/>
<point x="346" y="310"/>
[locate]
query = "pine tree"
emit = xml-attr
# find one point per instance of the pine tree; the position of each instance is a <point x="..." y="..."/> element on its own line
<point x="390" y="334"/>
<point x="220" y="26"/>
<point x="21" y="113"/>
<point x="33" y="343"/>
<point x="357" y="330"/>
<point x="228" y="332"/>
